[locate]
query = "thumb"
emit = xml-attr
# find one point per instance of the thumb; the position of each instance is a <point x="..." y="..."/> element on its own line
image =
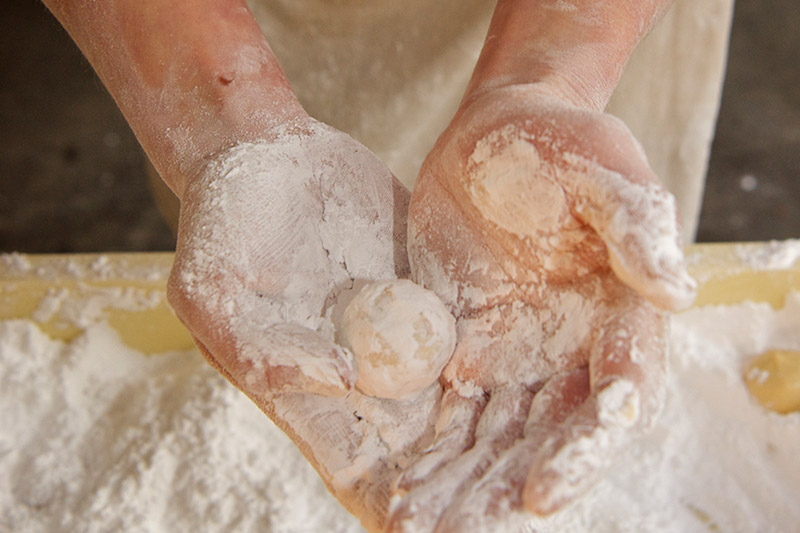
<point x="637" y="220"/>
<point x="240" y="333"/>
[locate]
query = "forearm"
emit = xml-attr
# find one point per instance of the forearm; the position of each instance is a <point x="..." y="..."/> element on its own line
<point x="576" y="49"/>
<point x="192" y="78"/>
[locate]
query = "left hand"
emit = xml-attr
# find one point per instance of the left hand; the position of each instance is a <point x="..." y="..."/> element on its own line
<point x="544" y="230"/>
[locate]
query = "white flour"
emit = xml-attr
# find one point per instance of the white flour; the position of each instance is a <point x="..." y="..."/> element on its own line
<point x="97" y="437"/>
<point x="716" y="461"/>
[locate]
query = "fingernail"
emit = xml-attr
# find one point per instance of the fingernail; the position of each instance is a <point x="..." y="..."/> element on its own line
<point x="618" y="404"/>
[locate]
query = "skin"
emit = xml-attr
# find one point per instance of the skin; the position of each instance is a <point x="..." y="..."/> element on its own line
<point x="496" y="436"/>
<point x="191" y="78"/>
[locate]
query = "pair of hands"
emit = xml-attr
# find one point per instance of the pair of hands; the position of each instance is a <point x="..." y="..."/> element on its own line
<point x="542" y="228"/>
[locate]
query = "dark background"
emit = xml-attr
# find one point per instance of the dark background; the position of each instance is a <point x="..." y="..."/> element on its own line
<point x="72" y="176"/>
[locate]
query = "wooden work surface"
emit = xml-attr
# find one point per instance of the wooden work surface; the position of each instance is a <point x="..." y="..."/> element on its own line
<point x="53" y="290"/>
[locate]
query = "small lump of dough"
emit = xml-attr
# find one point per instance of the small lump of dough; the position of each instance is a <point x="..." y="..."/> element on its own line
<point x="401" y="335"/>
<point x="773" y="378"/>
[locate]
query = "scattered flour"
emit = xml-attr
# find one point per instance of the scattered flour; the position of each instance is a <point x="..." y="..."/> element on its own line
<point x="97" y="437"/>
<point x="775" y="256"/>
<point x="716" y="460"/>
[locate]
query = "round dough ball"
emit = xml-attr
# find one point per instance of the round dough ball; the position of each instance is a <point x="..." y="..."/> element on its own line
<point x="401" y="335"/>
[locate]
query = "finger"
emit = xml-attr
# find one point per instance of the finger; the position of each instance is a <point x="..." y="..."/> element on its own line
<point x="501" y="423"/>
<point x="570" y="461"/>
<point x="637" y="220"/>
<point x="257" y="353"/>
<point x="494" y="502"/>
<point x="321" y="427"/>
<point x="628" y="363"/>
<point x="358" y="444"/>
<point x="454" y="433"/>
<point x="627" y="373"/>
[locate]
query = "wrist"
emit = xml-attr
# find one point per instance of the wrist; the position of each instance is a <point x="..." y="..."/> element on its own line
<point x="182" y="147"/>
<point x="191" y="78"/>
<point x="577" y="52"/>
<point x="193" y="91"/>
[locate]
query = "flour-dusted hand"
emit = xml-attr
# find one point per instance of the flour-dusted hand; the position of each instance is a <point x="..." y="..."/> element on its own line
<point x="559" y="253"/>
<point x="272" y="234"/>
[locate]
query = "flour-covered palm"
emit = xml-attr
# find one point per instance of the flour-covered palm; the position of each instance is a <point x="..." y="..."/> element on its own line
<point x="543" y="229"/>
<point x="273" y="237"/>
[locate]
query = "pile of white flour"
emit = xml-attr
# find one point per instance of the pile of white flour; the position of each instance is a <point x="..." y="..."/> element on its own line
<point x="97" y="437"/>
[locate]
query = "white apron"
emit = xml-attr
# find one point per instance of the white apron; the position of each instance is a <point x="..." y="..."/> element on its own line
<point x="391" y="73"/>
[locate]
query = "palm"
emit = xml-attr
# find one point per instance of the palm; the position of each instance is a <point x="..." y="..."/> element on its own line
<point x="516" y="221"/>
<point x="273" y="236"/>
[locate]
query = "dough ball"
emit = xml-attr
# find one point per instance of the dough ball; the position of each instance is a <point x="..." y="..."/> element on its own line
<point x="774" y="380"/>
<point x="401" y="335"/>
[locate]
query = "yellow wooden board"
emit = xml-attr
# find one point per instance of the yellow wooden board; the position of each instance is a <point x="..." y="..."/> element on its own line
<point x="726" y="272"/>
<point x="50" y="290"/>
<point x="128" y="291"/>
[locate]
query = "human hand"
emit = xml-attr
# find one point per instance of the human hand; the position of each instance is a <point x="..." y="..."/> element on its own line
<point x="273" y="236"/>
<point x="543" y="229"/>
<point x="271" y="232"/>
